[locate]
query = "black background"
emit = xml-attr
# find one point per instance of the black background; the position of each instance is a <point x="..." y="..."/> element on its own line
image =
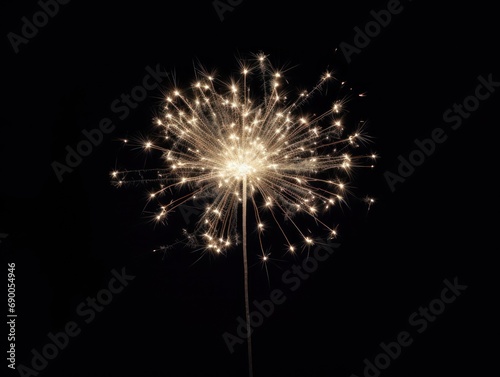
<point x="66" y="238"/>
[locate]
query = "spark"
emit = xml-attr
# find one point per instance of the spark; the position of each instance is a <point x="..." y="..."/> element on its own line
<point x="217" y="135"/>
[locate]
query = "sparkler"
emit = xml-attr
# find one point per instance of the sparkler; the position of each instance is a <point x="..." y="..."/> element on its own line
<point x="234" y="142"/>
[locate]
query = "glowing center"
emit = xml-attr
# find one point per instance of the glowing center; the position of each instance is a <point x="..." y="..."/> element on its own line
<point x="240" y="169"/>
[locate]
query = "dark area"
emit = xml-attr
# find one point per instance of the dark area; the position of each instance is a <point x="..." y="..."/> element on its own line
<point x="66" y="238"/>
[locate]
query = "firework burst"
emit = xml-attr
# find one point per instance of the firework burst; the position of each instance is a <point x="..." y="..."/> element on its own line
<point x="223" y="142"/>
<point x="243" y="141"/>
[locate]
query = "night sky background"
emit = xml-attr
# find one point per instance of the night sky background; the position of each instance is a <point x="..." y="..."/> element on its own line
<point x="66" y="238"/>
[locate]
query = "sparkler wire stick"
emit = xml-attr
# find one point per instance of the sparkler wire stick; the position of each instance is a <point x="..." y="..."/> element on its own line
<point x="245" y="268"/>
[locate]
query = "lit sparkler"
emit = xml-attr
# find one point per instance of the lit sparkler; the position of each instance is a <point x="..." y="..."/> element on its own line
<point x="237" y="143"/>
